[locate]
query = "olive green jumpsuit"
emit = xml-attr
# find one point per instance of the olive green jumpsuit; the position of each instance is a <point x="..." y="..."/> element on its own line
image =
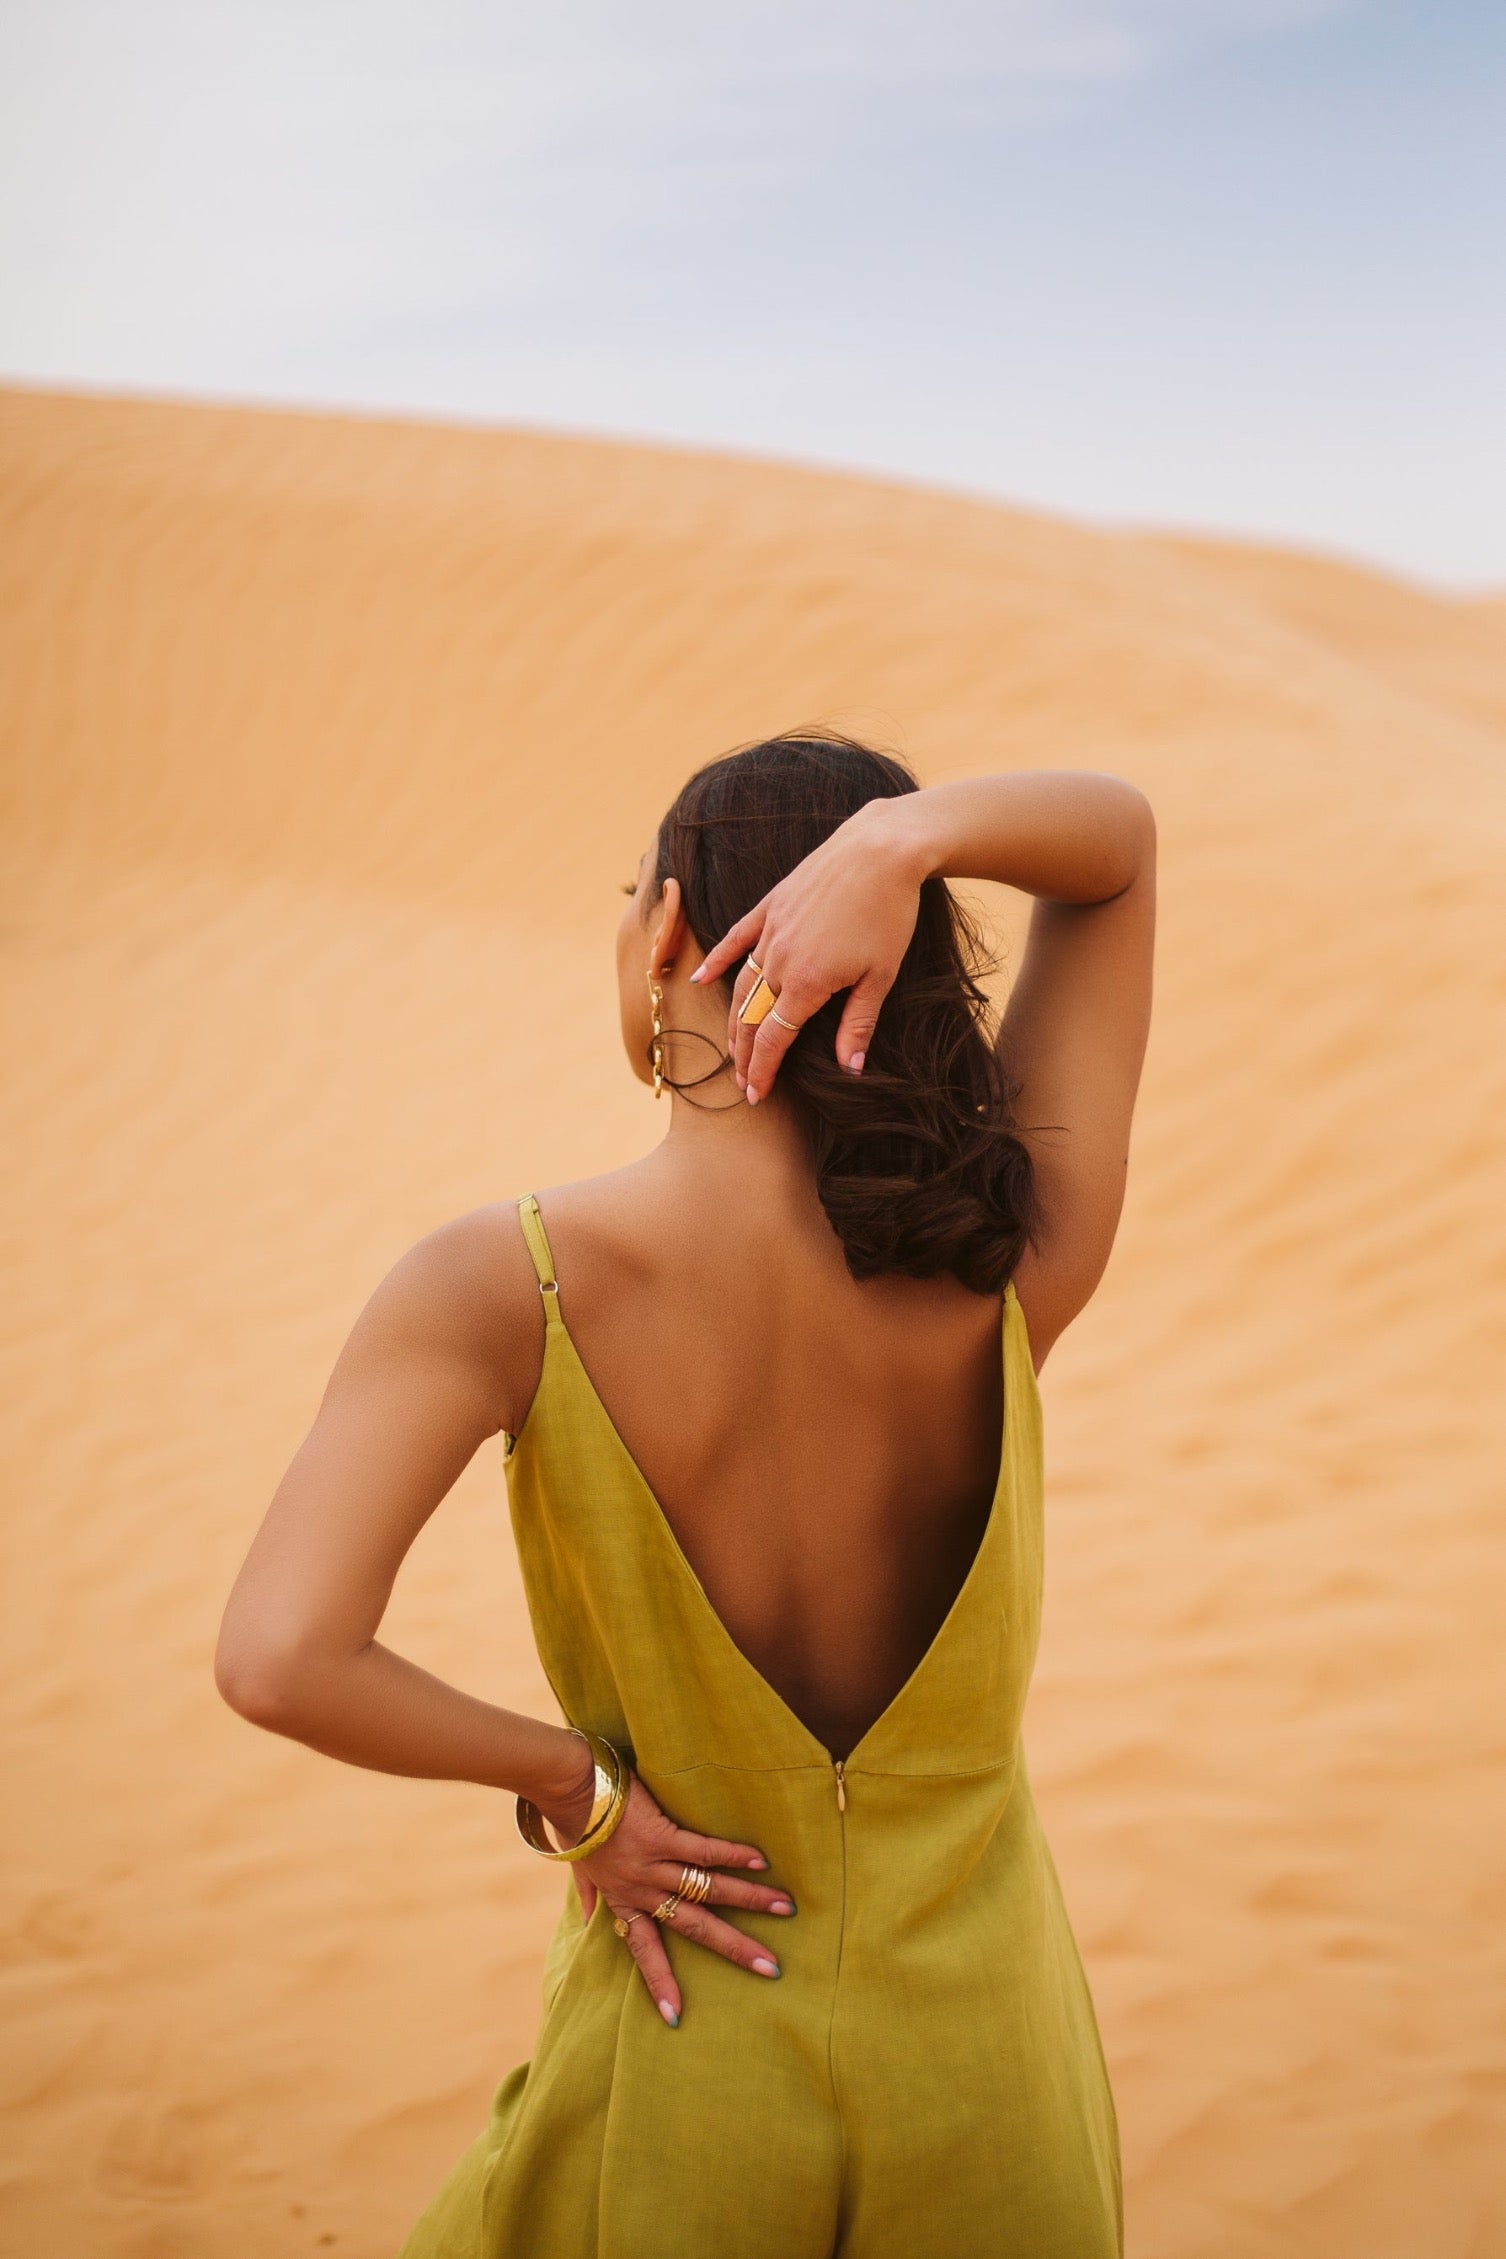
<point x="925" y="2081"/>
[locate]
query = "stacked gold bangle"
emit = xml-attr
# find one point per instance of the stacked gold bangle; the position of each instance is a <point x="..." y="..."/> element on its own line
<point x="608" y="1803"/>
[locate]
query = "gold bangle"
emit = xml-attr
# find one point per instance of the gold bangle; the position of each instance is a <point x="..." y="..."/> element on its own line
<point x="613" y="1779"/>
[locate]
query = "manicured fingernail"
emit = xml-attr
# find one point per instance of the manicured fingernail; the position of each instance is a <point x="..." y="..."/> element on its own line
<point x="752" y="1095"/>
<point x="758" y="1860"/>
<point x="669" y="2015"/>
<point x="783" y="1906"/>
<point x="855" y="1063"/>
<point x="767" y="1968"/>
<point x="695" y="976"/>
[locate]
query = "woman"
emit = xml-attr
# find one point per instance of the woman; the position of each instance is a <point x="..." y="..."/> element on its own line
<point x="769" y="1403"/>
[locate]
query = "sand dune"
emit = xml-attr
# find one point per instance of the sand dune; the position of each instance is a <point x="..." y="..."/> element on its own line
<point x="326" y="744"/>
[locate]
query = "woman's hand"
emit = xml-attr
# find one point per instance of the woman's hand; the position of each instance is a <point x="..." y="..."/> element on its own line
<point x="642" y="1862"/>
<point x="842" y="919"/>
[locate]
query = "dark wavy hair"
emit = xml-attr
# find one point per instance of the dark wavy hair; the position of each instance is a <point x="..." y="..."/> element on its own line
<point x="918" y="1161"/>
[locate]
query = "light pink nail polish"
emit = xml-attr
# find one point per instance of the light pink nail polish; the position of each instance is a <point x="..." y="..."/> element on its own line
<point x="767" y="1968"/>
<point x="669" y="2015"/>
<point x="752" y="1095"/>
<point x="856" y="1062"/>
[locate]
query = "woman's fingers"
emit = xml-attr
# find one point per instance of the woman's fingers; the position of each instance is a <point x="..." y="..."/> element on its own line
<point x="752" y="1897"/>
<point x="758" y="1047"/>
<point x="728" y="1890"/>
<point x="703" y="1928"/>
<point x="765" y="1055"/>
<point x="859" y="1019"/>
<point x="678" y="1849"/>
<point x="713" y="1851"/>
<point x="647" y="1948"/>
<point x="795" y="1002"/>
<point x="737" y="942"/>
<point x="740" y="1033"/>
<point x="744" y="940"/>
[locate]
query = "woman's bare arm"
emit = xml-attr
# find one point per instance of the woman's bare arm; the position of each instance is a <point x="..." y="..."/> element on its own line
<point x="418" y="1387"/>
<point x="431" y="1370"/>
<point x="1074" y="1037"/>
<point x="1075" y="1029"/>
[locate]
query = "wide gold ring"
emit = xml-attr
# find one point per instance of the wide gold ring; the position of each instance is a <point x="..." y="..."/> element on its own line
<point x="695" y="1885"/>
<point x="666" y="1906"/>
<point x="757" y="1004"/>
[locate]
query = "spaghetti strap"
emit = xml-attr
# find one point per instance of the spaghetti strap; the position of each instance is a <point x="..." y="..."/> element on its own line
<point x="543" y="1256"/>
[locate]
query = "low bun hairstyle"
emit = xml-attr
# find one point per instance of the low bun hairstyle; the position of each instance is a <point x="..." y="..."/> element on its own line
<point x="918" y="1162"/>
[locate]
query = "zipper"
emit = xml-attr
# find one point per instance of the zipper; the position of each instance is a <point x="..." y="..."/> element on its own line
<point x="839" y="1775"/>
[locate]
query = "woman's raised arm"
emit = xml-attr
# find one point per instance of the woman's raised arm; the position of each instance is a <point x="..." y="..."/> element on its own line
<point x="1076" y="1024"/>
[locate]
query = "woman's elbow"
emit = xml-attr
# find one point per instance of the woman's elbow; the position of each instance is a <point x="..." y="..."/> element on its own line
<point x="1138" y="818"/>
<point x="1139" y="836"/>
<point x="260" y="1677"/>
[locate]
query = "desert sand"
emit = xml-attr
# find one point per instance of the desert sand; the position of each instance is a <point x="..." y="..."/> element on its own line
<point x="327" y="744"/>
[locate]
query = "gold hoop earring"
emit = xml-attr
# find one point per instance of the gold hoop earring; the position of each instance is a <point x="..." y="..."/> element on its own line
<point x="656" y="1047"/>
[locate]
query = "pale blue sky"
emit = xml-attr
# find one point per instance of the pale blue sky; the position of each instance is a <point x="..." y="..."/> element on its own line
<point x="1233" y="264"/>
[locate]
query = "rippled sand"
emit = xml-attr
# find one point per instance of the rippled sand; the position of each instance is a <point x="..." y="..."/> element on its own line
<point x="327" y="743"/>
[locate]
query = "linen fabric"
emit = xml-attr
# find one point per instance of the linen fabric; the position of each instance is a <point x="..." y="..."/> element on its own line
<point x="925" y="2079"/>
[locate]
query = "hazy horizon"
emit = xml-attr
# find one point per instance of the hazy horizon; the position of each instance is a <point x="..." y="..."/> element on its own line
<point x="1228" y="266"/>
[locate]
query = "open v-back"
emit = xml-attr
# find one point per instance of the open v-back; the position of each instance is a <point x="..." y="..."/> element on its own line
<point x="559" y="1337"/>
<point x="926" y="2078"/>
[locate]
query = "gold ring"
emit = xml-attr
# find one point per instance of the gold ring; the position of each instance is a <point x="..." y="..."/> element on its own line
<point x="792" y="1025"/>
<point x="695" y="1885"/>
<point x="666" y="1906"/>
<point x="757" y="1004"/>
<point x="622" y="1923"/>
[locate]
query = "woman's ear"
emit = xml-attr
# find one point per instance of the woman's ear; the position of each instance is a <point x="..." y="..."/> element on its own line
<point x="667" y="929"/>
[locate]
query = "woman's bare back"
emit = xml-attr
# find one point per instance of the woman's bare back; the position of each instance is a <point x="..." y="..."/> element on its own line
<point x="826" y="1452"/>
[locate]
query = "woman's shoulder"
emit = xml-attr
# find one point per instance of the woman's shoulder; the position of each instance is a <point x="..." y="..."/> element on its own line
<point x="468" y="1267"/>
<point x="469" y="1289"/>
<point x="464" y="1299"/>
<point x="482" y="1259"/>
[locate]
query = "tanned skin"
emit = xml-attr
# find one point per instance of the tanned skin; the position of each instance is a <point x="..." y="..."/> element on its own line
<point x="833" y="1511"/>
